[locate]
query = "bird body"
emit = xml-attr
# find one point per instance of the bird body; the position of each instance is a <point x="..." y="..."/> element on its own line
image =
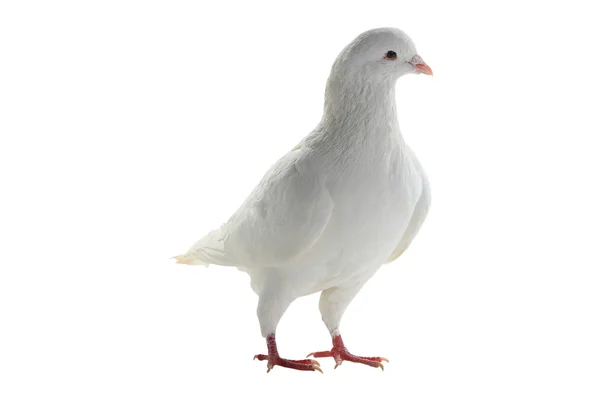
<point x="348" y="198"/>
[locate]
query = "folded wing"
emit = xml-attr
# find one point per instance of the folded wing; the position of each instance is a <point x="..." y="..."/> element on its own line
<point x="282" y="218"/>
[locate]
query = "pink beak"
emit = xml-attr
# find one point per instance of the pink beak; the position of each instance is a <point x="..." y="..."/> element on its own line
<point x="420" y="65"/>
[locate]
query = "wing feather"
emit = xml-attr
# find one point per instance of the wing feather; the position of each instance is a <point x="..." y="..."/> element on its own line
<point x="282" y="218"/>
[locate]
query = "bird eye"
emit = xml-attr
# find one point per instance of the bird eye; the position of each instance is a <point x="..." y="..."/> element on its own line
<point x="390" y="55"/>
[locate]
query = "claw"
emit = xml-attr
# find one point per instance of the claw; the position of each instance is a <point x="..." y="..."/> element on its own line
<point x="274" y="359"/>
<point x="340" y="353"/>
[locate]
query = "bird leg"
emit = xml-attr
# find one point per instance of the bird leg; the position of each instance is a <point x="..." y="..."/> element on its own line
<point x="273" y="359"/>
<point x="340" y="353"/>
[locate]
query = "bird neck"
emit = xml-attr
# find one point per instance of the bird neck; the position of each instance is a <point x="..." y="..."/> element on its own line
<point x="364" y="105"/>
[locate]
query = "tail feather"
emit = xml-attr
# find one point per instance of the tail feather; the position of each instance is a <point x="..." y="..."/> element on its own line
<point x="208" y="250"/>
<point x="189" y="259"/>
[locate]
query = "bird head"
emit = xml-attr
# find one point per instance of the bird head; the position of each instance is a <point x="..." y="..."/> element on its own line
<point x="382" y="54"/>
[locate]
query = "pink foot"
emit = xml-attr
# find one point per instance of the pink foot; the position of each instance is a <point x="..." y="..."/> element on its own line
<point x="340" y="353"/>
<point x="273" y="359"/>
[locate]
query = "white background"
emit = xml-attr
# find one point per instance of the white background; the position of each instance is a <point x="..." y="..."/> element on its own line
<point x="131" y="128"/>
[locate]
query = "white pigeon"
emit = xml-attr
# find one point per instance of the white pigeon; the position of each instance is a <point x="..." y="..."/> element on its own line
<point x="348" y="198"/>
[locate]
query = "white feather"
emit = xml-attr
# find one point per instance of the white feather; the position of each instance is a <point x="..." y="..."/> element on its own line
<point x="350" y="197"/>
